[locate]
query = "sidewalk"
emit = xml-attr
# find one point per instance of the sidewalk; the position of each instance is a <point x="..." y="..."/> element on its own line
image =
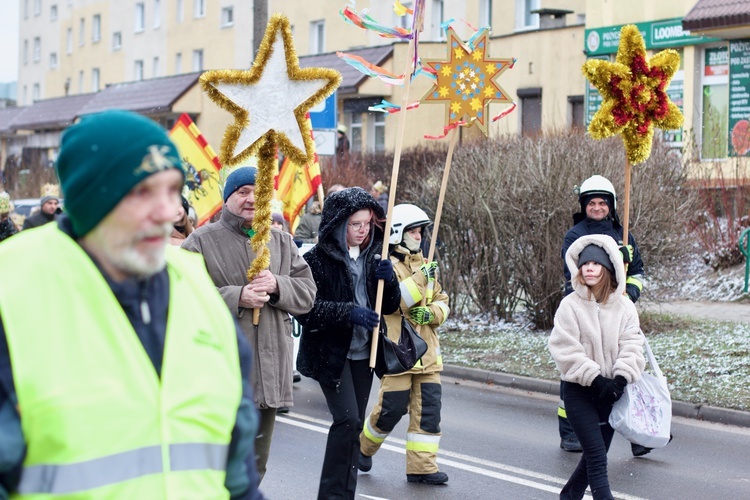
<point x="679" y="409"/>
<point x="724" y="311"/>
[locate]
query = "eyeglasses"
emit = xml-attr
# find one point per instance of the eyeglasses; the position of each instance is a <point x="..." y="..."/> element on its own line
<point x="358" y="226"/>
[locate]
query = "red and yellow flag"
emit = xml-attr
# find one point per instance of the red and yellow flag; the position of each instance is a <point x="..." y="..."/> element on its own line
<point x="201" y="168"/>
<point x="295" y="184"/>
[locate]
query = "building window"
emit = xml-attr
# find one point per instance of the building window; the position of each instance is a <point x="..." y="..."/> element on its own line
<point x="355" y="128"/>
<point x="25" y="95"/>
<point x="485" y="13"/>
<point x="25" y="16"/>
<point x="317" y="36"/>
<point x="715" y="105"/>
<point x="437" y="20"/>
<point x="157" y="14"/>
<point x="378" y="125"/>
<point x="95" y="80"/>
<point x="53" y="12"/>
<point x="524" y="18"/>
<point x="138" y="70"/>
<point x="117" y="40"/>
<point x="180" y="11"/>
<point x="198" y="60"/>
<point x="531" y="110"/>
<point x="155" y="67"/>
<point x="199" y="8"/>
<point x="36" y="92"/>
<point x="96" y="28"/>
<point x="26" y="52"/>
<point x="53" y="60"/>
<point x="37" y="49"/>
<point x="227" y="17"/>
<point x="140" y="17"/>
<point x="178" y="63"/>
<point x="80" y="82"/>
<point x="82" y="31"/>
<point x="37" y="7"/>
<point x="69" y="41"/>
<point x="576" y="111"/>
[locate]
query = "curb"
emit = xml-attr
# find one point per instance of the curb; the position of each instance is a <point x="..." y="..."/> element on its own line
<point x="679" y="409"/>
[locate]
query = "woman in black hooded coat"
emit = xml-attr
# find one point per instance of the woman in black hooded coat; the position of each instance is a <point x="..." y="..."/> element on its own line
<point x="336" y="333"/>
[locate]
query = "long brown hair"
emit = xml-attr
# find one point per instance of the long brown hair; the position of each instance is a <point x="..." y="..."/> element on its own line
<point x="374" y="222"/>
<point x="185" y="224"/>
<point x="602" y="290"/>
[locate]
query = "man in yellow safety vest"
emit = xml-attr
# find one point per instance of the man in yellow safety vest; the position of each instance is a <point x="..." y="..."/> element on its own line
<point x="122" y="374"/>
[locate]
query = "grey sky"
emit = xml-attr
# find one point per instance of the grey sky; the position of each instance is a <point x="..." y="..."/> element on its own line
<point x="9" y="40"/>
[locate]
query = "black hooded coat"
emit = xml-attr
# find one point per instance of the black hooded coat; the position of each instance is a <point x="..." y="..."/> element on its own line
<point x="327" y="328"/>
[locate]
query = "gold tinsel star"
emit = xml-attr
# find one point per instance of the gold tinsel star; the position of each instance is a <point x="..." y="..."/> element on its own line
<point x="634" y="89"/>
<point x="272" y="96"/>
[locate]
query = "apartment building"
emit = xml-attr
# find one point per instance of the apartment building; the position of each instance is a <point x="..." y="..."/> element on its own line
<point x="74" y="48"/>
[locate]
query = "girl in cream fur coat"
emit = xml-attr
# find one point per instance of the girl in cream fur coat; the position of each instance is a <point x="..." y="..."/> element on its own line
<point x="597" y="345"/>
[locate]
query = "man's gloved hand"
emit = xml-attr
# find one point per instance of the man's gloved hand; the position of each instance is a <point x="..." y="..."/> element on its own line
<point x="606" y="389"/>
<point x="627" y="253"/>
<point x="363" y="316"/>
<point x="429" y="269"/>
<point x="384" y="271"/>
<point x="421" y="315"/>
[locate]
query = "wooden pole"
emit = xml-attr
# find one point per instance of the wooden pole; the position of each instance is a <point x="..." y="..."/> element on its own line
<point x="321" y="195"/>
<point x="392" y="195"/>
<point x="626" y="204"/>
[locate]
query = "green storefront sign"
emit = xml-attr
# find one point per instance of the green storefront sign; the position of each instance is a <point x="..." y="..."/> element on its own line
<point x="656" y="35"/>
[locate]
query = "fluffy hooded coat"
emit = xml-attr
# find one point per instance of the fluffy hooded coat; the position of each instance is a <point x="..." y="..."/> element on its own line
<point x="327" y="329"/>
<point x="590" y="339"/>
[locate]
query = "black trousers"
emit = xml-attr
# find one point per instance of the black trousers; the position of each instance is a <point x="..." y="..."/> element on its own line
<point x="589" y="418"/>
<point x="347" y="403"/>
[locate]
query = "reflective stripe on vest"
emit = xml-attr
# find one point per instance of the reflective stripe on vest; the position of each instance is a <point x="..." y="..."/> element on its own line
<point x="81" y="476"/>
<point x="97" y="420"/>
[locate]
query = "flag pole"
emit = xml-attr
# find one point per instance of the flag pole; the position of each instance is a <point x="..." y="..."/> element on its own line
<point x="392" y="193"/>
<point x="626" y="203"/>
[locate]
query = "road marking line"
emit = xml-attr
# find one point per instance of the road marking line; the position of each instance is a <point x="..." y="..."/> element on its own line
<point x="292" y="419"/>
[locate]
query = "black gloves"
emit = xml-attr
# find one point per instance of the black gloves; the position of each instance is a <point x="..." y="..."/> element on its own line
<point x="609" y="390"/>
<point x="365" y="317"/>
<point x="384" y="271"/>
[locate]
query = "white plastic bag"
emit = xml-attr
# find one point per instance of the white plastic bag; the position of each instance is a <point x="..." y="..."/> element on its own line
<point x="643" y="415"/>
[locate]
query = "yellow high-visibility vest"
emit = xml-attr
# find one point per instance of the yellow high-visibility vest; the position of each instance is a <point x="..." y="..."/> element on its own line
<point x="97" y="419"/>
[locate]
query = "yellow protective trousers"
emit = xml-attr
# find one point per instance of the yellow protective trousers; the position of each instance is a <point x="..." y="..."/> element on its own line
<point x="419" y="394"/>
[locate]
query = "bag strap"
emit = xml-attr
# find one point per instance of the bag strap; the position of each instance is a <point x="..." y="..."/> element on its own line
<point x="651" y="358"/>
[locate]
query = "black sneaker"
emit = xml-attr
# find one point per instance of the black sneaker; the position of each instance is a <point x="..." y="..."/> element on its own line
<point x="282" y="409"/>
<point x="296" y="377"/>
<point x="434" y="478"/>
<point x="364" y="463"/>
<point x="638" y="450"/>
<point x="571" y="445"/>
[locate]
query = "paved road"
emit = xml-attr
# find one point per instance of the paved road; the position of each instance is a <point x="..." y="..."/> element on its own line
<point x="500" y="443"/>
<point x="725" y="311"/>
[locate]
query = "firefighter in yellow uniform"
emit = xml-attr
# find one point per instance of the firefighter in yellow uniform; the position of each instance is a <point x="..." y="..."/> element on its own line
<point x="417" y="391"/>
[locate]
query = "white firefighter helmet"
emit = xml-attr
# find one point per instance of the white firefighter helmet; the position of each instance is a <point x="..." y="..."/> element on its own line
<point x="596" y="184"/>
<point x="405" y="217"/>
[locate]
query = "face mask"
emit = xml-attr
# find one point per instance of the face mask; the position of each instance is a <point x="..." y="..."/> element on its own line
<point x="410" y="243"/>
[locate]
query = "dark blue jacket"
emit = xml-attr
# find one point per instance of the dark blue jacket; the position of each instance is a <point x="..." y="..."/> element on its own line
<point x="588" y="226"/>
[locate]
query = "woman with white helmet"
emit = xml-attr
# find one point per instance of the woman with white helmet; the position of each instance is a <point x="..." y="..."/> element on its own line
<point x="419" y="389"/>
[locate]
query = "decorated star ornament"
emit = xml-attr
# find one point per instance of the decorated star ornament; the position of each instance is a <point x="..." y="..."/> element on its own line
<point x="466" y="80"/>
<point x="272" y="97"/>
<point x="634" y="91"/>
<point x="269" y="103"/>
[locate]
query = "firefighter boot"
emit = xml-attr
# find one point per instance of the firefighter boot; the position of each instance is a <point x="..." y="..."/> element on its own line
<point x="434" y="478"/>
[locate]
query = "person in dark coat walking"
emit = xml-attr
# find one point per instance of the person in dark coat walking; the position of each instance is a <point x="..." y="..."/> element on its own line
<point x="336" y="333"/>
<point x="49" y="209"/>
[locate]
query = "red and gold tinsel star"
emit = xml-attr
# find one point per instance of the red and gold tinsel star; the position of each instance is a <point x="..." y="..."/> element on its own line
<point x="634" y="90"/>
<point x="466" y="81"/>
